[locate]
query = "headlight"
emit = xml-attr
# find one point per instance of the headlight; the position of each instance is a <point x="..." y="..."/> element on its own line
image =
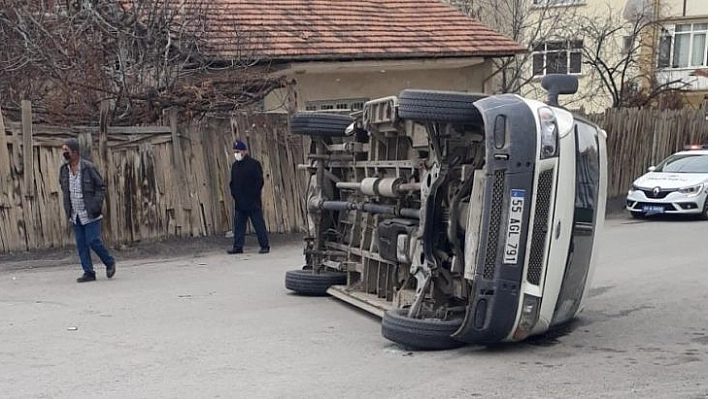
<point x="350" y="129"/>
<point x="693" y="190"/>
<point x="529" y="316"/>
<point x="549" y="132"/>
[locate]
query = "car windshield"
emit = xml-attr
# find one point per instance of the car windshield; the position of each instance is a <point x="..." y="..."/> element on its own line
<point x="684" y="163"/>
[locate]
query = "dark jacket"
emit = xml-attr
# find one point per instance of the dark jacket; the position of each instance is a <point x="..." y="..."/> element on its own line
<point x="92" y="186"/>
<point x="246" y="184"/>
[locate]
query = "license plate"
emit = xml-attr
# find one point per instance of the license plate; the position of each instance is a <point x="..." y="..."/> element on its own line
<point x="513" y="229"/>
<point x="653" y="209"/>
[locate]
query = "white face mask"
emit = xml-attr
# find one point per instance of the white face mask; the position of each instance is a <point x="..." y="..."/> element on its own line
<point x="238" y="156"/>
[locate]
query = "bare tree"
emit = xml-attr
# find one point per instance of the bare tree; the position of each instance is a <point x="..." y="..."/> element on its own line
<point x="142" y="55"/>
<point x="530" y="23"/>
<point x="620" y="50"/>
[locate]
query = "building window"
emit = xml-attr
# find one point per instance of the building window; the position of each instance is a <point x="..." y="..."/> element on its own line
<point x="628" y="44"/>
<point x="690" y="45"/>
<point x="558" y="57"/>
<point x="665" y="50"/>
<point x="343" y="105"/>
<point x="687" y="47"/>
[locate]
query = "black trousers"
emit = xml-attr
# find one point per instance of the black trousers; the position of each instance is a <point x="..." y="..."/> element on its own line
<point x="241" y="222"/>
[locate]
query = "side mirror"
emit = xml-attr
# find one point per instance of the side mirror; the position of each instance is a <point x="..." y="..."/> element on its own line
<point x="652" y="168"/>
<point x="556" y="84"/>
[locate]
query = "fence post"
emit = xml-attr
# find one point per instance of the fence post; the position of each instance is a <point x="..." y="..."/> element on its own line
<point x="178" y="163"/>
<point x="177" y="153"/>
<point x="106" y="171"/>
<point x="86" y="145"/>
<point x="103" y="136"/>
<point x="653" y="145"/>
<point x="5" y="173"/>
<point x="27" y="151"/>
<point x="176" y="143"/>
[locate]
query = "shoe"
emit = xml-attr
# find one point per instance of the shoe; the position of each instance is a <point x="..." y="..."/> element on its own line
<point x="235" y="251"/>
<point x="264" y="250"/>
<point x="111" y="270"/>
<point x="86" y="278"/>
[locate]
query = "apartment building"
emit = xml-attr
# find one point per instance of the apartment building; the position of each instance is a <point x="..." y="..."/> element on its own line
<point x="648" y="44"/>
<point x="559" y="36"/>
<point x="645" y="43"/>
<point x="682" y="51"/>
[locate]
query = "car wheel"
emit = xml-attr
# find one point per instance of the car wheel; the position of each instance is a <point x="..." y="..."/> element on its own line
<point x="425" y="334"/>
<point x="638" y="215"/>
<point x="307" y="282"/>
<point x="704" y="213"/>
<point x="319" y="124"/>
<point x="439" y="106"/>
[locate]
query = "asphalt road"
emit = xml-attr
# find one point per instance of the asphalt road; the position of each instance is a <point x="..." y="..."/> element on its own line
<point x="218" y="326"/>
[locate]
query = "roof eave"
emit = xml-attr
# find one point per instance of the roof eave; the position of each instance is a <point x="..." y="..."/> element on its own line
<point x="382" y="57"/>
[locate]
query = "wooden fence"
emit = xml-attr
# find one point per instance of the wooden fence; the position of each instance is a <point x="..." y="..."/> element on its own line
<point x="172" y="181"/>
<point x="162" y="181"/>
<point x="638" y="139"/>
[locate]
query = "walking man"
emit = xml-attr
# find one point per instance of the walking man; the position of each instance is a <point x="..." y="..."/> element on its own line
<point x="83" y="190"/>
<point x="246" y="186"/>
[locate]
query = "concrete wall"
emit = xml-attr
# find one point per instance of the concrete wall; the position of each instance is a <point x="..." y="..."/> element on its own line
<point x="332" y="81"/>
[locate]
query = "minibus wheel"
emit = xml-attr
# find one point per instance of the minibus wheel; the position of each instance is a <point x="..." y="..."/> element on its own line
<point x="307" y="282"/>
<point x="424" y="334"/>
<point x="439" y="106"/>
<point x="319" y="124"/>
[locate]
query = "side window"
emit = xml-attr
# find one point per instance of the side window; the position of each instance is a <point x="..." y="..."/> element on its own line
<point x="587" y="172"/>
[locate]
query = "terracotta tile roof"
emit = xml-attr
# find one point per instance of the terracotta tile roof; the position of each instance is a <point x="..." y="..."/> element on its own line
<point x="348" y="29"/>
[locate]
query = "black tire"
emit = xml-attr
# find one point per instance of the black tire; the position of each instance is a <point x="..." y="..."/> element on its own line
<point x="704" y="214"/>
<point x="425" y="334"/>
<point x="439" y="106"/>
<point x="306" y="282"/>
<point x="638" y="215"/>
<point x="319" y="124"/>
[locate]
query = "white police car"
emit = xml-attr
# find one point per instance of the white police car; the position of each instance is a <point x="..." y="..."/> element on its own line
<point x="678" y="185"/>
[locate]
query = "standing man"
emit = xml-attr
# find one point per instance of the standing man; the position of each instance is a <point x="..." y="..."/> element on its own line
<point x="83" y="191"/>
<point x="246" y="185"/>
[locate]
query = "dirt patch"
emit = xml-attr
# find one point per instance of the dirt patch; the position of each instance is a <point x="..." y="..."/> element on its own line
<point x="174" y="248"/>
